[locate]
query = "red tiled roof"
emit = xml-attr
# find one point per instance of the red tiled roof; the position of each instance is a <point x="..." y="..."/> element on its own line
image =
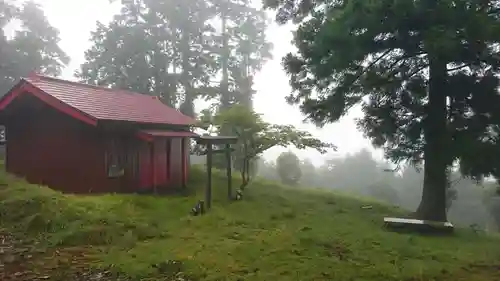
<point x="107" y="104"/>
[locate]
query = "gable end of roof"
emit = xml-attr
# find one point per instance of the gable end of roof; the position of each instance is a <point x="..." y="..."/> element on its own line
<point x="26" y="87"/>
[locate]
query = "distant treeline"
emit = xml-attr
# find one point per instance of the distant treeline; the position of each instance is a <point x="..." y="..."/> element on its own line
<point x="470" y="204"/>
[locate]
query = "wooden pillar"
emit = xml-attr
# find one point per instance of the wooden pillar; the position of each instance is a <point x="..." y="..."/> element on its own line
<point x="184" y="162"/>
<point x="153" y="166"/>
<point x="228" y="171"/>
<point x="169" y="159"/>
<point x="208" y="191"/>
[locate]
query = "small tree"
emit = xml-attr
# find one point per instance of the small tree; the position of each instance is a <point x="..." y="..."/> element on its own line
<point x="288" y="166"/>
<point x="256" y="136"/>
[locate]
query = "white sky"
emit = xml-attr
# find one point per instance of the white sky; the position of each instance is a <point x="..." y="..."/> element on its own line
<point x="75" y="19"/>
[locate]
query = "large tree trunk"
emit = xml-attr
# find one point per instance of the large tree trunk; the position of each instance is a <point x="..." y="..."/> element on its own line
<point x="433" y="204"/>
<point x="246" y="94"/>
<point x="187" y="107"/>
<point x="225" y="96"/>
<point x="189" y="96"/>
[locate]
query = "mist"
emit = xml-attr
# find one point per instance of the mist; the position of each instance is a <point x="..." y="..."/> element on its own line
<point x="470" y="204"/>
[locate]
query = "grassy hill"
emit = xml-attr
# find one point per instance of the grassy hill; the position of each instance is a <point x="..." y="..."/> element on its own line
<point x="275" y="233"/>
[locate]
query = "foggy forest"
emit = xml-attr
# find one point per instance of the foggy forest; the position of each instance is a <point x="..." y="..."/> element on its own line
<point x="143" y="155"/>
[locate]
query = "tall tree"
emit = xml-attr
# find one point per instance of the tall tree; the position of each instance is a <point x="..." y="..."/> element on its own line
<point x="122" y="55"/>
<point x="424" y="71"/>
<point x="243" y="49"/>
<point x="176" y="49"/>
<point x="189" y="22"/>
<point x="154" y="47"/>
<point x="32" y="47"/>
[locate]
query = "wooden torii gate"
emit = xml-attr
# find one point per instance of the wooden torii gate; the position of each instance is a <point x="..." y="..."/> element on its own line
<point x="209" y="142"/>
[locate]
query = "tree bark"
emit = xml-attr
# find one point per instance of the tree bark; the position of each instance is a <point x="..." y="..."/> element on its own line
<point x="225" y="97"/>
<point x="243" y="176"/>
<point x="248" y="167"/>
<point x="433" y="203"/>
<point x="188" y="105"/>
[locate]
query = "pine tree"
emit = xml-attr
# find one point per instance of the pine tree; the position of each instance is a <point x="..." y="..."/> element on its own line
<point x="424" y="71"/>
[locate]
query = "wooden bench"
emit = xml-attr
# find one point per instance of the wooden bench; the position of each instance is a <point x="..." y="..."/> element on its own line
<point x="421" y="226"/>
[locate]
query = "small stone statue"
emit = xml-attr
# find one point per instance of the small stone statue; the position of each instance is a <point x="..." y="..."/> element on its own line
<point x="198" y="209"/>
<point x="239" y="195"/>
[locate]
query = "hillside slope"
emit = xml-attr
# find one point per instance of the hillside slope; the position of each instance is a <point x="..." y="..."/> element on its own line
<point x="275" y="233"/>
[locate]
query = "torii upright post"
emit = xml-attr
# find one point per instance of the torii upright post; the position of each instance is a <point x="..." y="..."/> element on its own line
<point x="209" y="141"/>
<point x="228" y="172"/>
<point x="208" y="190"/>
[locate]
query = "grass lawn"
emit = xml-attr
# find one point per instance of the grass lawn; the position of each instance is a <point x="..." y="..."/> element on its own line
<point x="275" y="233"/>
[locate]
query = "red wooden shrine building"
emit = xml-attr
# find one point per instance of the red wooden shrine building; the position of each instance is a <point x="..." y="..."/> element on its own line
<point x="80" y="138"/>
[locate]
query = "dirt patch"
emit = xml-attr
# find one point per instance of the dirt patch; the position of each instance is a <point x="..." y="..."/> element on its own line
<point x="28" y="260"/>
<point x="16" y="256"/>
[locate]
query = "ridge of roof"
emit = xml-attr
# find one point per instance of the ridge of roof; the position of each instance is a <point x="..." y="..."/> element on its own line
<point x="36" y="76"/>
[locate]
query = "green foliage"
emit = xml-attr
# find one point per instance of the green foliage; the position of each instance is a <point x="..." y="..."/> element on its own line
<point x="33" y="47"/>
<point x="275" y="233"/>
<point x="288" y="167"/>
<point x="243" y="48"/>
<point x="246" y="123"/>
<point x="153" y="47"/>
<point x="256" y="136"/>
<point x="425" y="73"/>
<point x="174" y="49"/>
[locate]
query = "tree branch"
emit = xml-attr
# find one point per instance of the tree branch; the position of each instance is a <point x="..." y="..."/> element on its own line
<point x="413" y="73"/>
<point x="404" y="57"/>
<point x="364" y="70"/>
<point x="459" y="67"/>
<point x="393" y="72"/>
